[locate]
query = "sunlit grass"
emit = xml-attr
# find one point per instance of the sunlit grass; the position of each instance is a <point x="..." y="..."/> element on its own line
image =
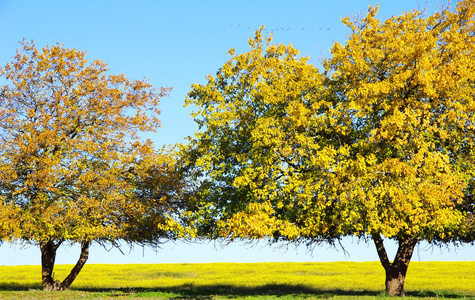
<point x="332" y="279"/>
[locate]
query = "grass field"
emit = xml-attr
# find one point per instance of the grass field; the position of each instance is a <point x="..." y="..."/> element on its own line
<point x="338" y="280"/>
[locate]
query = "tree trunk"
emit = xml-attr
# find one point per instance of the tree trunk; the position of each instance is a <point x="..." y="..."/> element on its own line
<point x="396" y="271"/>
<point x="48" y="256"/>
<point x="395" y="281"/>
<point x="66" y="284"/>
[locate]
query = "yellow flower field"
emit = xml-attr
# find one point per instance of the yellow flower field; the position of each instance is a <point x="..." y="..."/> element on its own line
<point x="333" y="278"/>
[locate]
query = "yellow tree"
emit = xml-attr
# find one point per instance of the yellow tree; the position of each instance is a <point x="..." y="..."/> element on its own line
<point x="72" y="162"/>
<point x="380" y="145"/>
<point x="404" y="89"/>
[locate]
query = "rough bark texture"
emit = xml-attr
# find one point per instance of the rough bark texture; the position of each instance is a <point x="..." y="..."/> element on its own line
<point x="66" y="284"/>
<point x="396" y="271"/>
<point x="48" y="256"/>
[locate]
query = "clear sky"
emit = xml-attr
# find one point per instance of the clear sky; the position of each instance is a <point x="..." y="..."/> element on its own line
<point x="175" y="44"/>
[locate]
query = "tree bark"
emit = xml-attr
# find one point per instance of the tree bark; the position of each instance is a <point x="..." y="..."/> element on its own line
<point x="48" y="256"/>
<point x="397" y="270"/>
<point x="66" y="284"/>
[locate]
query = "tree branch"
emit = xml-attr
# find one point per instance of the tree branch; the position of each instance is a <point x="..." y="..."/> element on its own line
<point x="383" y="256"/>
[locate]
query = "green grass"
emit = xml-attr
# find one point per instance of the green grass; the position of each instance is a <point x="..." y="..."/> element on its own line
<point x="338" y="280"/>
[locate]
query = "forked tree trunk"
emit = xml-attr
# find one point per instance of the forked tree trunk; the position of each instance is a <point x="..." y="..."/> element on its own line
<point x="396" y="271"/>
<point x="48" y="256"/>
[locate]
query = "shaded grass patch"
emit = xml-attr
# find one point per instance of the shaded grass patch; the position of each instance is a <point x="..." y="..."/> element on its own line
<point x="190" y="291"/>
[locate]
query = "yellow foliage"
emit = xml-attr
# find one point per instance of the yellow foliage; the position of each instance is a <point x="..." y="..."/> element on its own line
<point x="259" y="114"/>
<point x="71" y="157"/>
<point x="257" y="222"/>
<point x="401" y="81"/>
<point x="380" y="143"/>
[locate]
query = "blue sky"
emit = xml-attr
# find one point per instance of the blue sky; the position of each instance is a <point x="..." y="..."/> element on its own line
<point x="175" y="44"/>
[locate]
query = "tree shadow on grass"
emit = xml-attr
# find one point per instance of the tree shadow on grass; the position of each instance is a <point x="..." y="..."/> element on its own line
<point x="273" y="290"/>
<point x="236" y="292"/>
<point x="14" y="286"/>
<point x="203" y="292"/>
